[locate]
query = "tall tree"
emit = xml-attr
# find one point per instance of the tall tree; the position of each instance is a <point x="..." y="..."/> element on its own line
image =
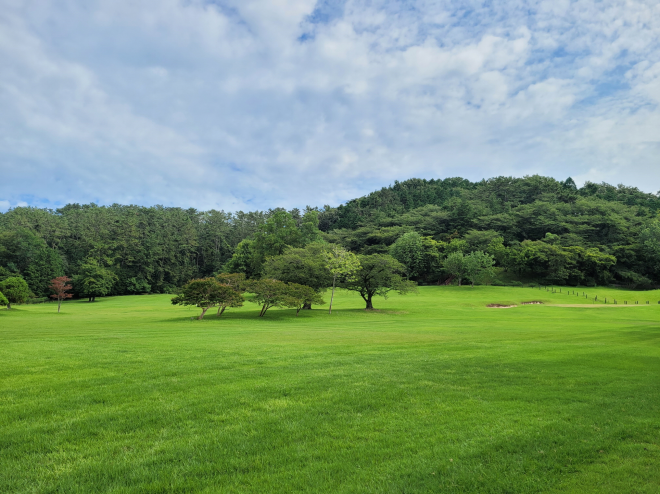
<point x="46" y="265"/>
<point x="455" y="265"/>
<point x="342" y="265"/>
<point x="93" y="280"/>
<point x="409" y="251"/>
<point x="479" y="266"/>
<point x="245" y="260"/>
<point x="279" y="232"/>
<point x="304" y="266"/>
<point x="378" y="275"/>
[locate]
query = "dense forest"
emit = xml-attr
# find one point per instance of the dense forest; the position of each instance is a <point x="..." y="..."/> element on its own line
<point x="535" y="228"/>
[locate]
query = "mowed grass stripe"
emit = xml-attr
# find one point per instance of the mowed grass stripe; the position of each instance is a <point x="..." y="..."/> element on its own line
<point x="434" y="393"/>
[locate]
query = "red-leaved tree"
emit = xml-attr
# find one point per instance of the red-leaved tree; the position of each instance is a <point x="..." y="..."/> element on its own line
<point x="60" y="286"/>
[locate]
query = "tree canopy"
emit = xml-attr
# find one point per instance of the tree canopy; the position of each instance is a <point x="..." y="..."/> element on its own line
<point x="378" y="275"/>
<point x="15" y="290"/>
<point x="206" y="293"/>
<point x="516" y="220"/>
<point x="93" y="280"/>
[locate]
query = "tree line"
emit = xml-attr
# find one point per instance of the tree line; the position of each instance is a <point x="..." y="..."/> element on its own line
<point x="536" y="228"/>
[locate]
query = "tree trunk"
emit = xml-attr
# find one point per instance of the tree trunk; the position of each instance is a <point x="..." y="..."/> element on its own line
<point x="221" y="309"/>
<point x="370" y="306"/>
<point x="59" y="304"/>
<point x="204" y="309"/>
<point x="459" y="281"/>
<point x="9" y="305"/>
<point x="334" y="278"/>
<point x="263" y="311"/>
<point x="307" y="306"/>
<point x="90" y="299"/>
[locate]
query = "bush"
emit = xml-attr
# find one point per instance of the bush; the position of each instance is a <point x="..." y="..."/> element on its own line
<point x="38" y="300"/>
<point x="498" y="283"/>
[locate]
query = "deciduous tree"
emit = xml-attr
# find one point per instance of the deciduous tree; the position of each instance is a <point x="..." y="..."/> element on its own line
<point x="15" y="290"/>
<point x="300" y="296"/>
<point x="235" y="281"/>
<point x="479" y="266"/>
<point x="267" y="293"/>
<point x="378" y="274"/>
<point x="409" y="251"/>
<point x="206" y="293"/>
<point x="304" y="266"/>
<point x="61" y="287"/>
<point x="455" y="265"/>
<point x="342" y="265"/>
<point x="93" y="280"/>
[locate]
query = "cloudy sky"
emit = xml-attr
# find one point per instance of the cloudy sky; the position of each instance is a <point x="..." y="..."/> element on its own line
<point x="250" y="104"/>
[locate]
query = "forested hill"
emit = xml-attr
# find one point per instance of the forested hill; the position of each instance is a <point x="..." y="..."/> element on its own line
<point x="535" y="226"/>
<point x="467" y="202"/>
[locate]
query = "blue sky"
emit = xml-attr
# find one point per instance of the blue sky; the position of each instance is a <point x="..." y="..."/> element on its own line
<point x="251" y="104"/>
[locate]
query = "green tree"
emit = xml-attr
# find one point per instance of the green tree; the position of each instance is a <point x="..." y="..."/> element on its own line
<point x="15" y="290"/>
<point x="649" y="238"/>
<point x="304" y="266"/>
<point x="46" y="265"/>
<point x="456" y="266"/>
<point x="18" y="248"/>
<point x="93" y="280"/>
<point x="206" y="293"/>
<point x="7" y="273"/>
<point x="245" y="260"/>
<point x="409" y="251"/>
<point x="278" y="233"/>
<point x="342" y="266"/>
<point x="3" y="300"/>
<point x="237" y="282"/>
<point x="267" y="293"/>
<point x="309" y="228"/>
<point x="479" y="266"/>
<point x="300" y="296"/>
<point x="481" y="239"/>
<point x="378" y="275"/>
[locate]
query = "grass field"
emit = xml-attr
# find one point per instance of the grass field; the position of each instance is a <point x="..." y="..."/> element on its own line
<point x="433" y="393"/>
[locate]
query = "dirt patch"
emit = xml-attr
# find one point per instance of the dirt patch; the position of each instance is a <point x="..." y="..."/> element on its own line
<point x="535" y="302"/>
<point x="593" y="306"/>
<point x="500" y="306"/>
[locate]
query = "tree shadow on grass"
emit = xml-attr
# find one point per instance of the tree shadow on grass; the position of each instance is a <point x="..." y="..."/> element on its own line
<point x="279" y="316"/>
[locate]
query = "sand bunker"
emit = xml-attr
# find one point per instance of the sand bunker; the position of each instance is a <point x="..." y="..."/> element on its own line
<point x="593" y="306"/>
<point x="532" y="303"/>
<point x="499" y="306"/>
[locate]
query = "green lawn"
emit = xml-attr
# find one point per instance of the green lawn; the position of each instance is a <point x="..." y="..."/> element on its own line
<point x="433" y="393"/>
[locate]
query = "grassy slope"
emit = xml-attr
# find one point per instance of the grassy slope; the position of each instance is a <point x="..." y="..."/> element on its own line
<point x="436" y="393"/>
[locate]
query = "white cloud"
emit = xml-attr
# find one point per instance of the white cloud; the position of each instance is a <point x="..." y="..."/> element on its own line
<point x="255" y="103"/>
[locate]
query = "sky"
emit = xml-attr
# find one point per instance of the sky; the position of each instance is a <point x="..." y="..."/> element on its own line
<point x="256" y="104"/>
